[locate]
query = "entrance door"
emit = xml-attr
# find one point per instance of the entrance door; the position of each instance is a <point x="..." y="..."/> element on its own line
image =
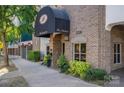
<point x="44" y="48"/>
<point x="48" y="50"/>
<point x="117" y="53"/>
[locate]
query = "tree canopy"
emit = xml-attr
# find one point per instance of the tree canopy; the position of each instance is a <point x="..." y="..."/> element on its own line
<point x="16" y="19"/>
<point x="13" y="21"/>
<point x="1" y="45"/>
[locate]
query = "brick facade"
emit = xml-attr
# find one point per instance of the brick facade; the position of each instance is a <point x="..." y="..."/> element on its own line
<point x="87" y="25"/>
<point x="55" y="46"/>
<point x="90" y="22"/>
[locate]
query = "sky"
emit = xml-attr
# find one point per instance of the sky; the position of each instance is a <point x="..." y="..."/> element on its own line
<point x="114" y="14"/>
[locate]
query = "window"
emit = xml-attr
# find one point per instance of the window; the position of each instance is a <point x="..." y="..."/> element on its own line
<point x="79" y="52"/>
<point x="117" y="53"/>
<point x="63" y="48"/>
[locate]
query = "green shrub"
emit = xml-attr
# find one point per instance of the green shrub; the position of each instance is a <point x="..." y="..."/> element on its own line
<point x="107" y="78"/>
<point x="30" y="55"/>
<point x="37" y="55"/>
<point x="34" y="56"/>
<point x="95" y="74"/>
<point x="62" y="64"/>
<point x="46" y="58"/>
<point x="78" y="68"/>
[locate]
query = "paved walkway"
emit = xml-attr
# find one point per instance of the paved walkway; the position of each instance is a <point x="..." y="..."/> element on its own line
<point x="119" y="73"/>
<point x="41" y="76"/>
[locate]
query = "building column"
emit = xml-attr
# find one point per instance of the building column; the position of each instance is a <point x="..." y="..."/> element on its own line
<point x="55" y="47"/>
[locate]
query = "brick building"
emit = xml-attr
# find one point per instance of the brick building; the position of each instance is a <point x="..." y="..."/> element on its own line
<point x="22" y="47"/>
<point x="79" y="33"/>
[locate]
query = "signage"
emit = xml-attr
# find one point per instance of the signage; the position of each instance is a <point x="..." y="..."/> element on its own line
<point x="44" y="32"/>
<point x="78" y="32"/>
<point x="43" y="19"/>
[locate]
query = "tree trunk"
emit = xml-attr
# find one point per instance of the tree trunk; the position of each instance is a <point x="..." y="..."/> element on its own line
<point x="6" y="60"/>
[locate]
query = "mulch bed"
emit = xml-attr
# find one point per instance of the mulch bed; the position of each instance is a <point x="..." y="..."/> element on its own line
<point x="10" y="68"/>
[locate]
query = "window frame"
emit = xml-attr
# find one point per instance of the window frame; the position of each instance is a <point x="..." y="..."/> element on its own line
<point x="63" y="47"/>
<point x="116" y="53"/>
<point x="80" y="52"/>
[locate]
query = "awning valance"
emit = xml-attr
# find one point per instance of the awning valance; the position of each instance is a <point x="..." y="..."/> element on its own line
<point x="50" y="20"/>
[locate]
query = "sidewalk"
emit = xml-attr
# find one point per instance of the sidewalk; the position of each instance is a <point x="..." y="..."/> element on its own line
<point x="41" y="76"/>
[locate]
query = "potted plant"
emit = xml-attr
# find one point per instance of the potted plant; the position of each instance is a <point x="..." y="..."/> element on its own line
<point x="49" y="60"/>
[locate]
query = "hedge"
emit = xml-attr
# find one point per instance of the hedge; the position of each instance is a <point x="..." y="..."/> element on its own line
<point x="34" y="56"/>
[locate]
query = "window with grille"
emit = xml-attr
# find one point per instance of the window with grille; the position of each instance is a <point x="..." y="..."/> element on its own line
<point x="117" y="53"/>
<point x="79" y="52"/>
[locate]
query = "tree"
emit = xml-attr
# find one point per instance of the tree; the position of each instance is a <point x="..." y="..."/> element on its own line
<point x="1" y="45"/>
<point x="10" y="31"/>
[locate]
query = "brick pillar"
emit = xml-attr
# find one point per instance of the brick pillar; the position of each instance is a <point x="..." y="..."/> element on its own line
<point x="104" y="57"/>
<point x="55" y="46"/>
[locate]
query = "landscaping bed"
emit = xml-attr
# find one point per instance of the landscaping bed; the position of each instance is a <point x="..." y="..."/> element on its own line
<point x="12" y="81"/>
<point x="7" y="69"/>
<point x="83" y="70"/>
<point x="18" y="81"/>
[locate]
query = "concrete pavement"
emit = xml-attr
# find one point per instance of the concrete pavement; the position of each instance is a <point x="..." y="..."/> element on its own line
<point x="41" y="76"/>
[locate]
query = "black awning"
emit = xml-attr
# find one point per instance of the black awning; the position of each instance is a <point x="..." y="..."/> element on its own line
<point x="50" y="20"/>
